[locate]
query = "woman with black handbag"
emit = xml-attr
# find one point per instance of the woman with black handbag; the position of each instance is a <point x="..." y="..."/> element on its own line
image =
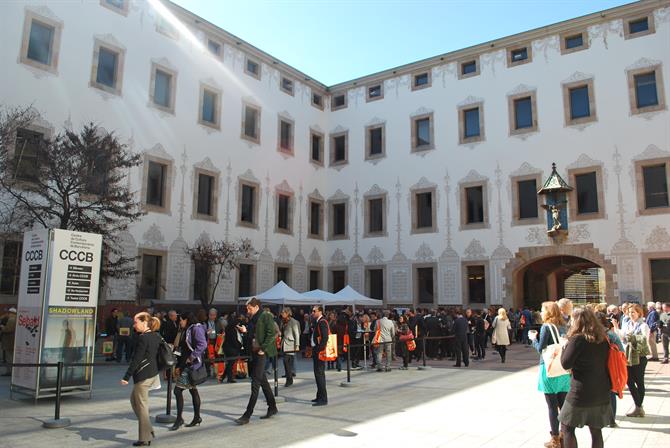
<point x="190" y="369"/>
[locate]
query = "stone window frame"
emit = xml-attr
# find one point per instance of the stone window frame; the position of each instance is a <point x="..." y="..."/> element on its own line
<point x="290" y="151"/>
<point x="646" y="268"/>
<point x="47" y="133"/>
<point x="433" y="201"/>
<point x="167" y="188"/>
<point x="167" y="29"/>
<point x="162" y="286"/>
<point x="639" y="185"/>
<point x="512" y="112"/>
<point x="331" y="141"/>
<point x="660" y="90"/>
<point x="572" y="33"/>
<point x="566" y="87"/>
<point x="322" y="136"/>
<point x="429" y="73"/>
<point x="464" y="61"/>
<point x="283" y="265"/>
<point x="318" y="104"/>
<point x="337" y="268"/>
<point x="529" y="51"/>
<point x="462" y="140"/>
<point x="217" y="106"/>
<point x="219" y="55"/>
<point x="431" y="125"/>
<point x="243" y="135"/>
<point x="258" y="63"/>
<point x="366" y="215"/>
<point x="415" y="283"/>
<point x="650" y="21"/>
<point x="321" y="235"/>
<point x="366" y="279"/>
<point x="290" y="211"/>
<point x="214" y="217"/>
<point x="254" y="267"/>
<point x="572" y="195"/>
<point x="333" y="107"/>
<point x="318" y="269"/>
<point x="290" y="91"/>
<point x="368" y="98"/>
<point x="173" y="88"/>
<point x="464" y="225"/>
<point x="331" y="219"/>
<point x="123" y="11"/>
<point x="516" y="220"/>
<point x="120" y="62"/>
<point x="368" y="141"/>
<point x="257" y="203"/>
<point x="55" y="43"/>
<point x="465" y="285"/>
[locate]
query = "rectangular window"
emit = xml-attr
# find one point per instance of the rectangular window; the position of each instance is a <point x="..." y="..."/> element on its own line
<point x="424" y="210"/>
<point x="339" y="214"/>
<point x="209" y="107"/>
<point x="201" y="277"/>
<point x="316" y="148"/>
<point x="638" y="25"/>
<point x="248" y="206"/>
<point x="375" y="283"/>
<point x="476" y="284"/>
<point x="284" y="275"/>
<point x="107" y="67"/>
<point x="338" y="280"/>
<point x="574" y="41"/>
<point x="283" y="212"/>
<point x="645" y="90"/>
<point x="421" y="81"/>
<point x="523" y="113"/>
<point x="286" y="85"/>
<point x="655" y="186"/>
<point x="151" y="276"/>
<point x="252" y="68"/>
<point x="527" y="197"/>
<point x="339" y="149"/>
<point x="317" y="100"/>
<point x="659" y="270"/>
<point x="520" y="54"/>
<point x="251" y="123"/>
<point x="40" y="43"/>
<point x="471" y="123"/>
<point x="156" y="176"/>
<point x="314" y="279"/>
<point x="468" y="68"/>
<point x="376" y="215"/>
<point x="285" y="136"/>
<point x="245" y="280"/>
<point x="587" y="193"/>
<point x="163" y="89"/>
<point x="474" y="197"/>
<point x="425" y="286"/>
<point x="375" y="141"/>
<point x="579" y="102"/>
<point x="375" y="92"/>
<point x="11" y="267"/>
<point x="339" y="101"/>
<point x="422" y="127"/>
<point x="27" y="154"/>
<point x="315" y="214"/>
<point x="214" y="47"/>
<point x="205" y="194"/>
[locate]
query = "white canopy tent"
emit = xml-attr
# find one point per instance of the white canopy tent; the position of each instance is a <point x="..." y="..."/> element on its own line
<point x="281" y="294"/>
<point x="321" y="297"/>
<point x="350" y="296"/>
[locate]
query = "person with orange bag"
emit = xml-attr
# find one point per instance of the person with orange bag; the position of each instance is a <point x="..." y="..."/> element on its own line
<point x="319" y="340"/>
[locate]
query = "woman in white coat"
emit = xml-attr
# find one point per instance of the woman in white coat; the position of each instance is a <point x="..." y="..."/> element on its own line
<point x="501" y="328"/>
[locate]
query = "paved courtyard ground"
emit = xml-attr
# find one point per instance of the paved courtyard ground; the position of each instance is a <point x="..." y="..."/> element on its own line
<point x="486" y="405"/>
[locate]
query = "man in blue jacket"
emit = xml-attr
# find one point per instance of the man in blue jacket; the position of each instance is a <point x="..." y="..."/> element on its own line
<point x="652" y="323"/>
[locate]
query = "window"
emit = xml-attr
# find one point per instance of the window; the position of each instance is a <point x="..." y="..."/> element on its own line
<point x="156" y="183"/>
<point x="284" y="213"/>
<point x="338" y="220"/>
<point x="214" y="47"/>
<point x="339" y="148"/>
<point x="523" y="113"/>
<point x="316" y="147"/>
<point x="587" y="200"/>
<point x="314" y="279"/>
<point x="424" y="213"/>
<point x="283" y="274"/>
<point x="201" y="280"/>
<point x="421" y="80"/>
<point x="11" y="267"/>
<point x="374" y="142"/>
<point x="27" y="154"/>
<point x="471" y="122"/>
<point x="251" y="123"/>
<point x="655" y="186"/>
<point x="40" y="45"/>
<point x="248" y="205"/>
<point x="425" y="284"/>
<point x="375" y="283"/>
<point x="578" y="102"/>
<point x="645" y="90"/>
<point x="120" y="6"/>
<point x="246" y="284"/>
<point x="527" y="191"/>
<point x="519" y="55"/>
<point x="639" y="26"/>
<point x="587" y="193"/>
<point x="660" y="278"/>
<point x="338" y="280"/>
<point x="339" y="101"/>
<point x="210" y="105"/>
<point x="285" y="144"/>
<point x="468" y="68"/>
<point x="107" y="67"/>
<point x="286" y="85"/>
<point x="107" y="63"/>
<point x="252" y="68"/>
<point x="474" y="205"/>
<point x="476" y="282"/>
<point x="315" y="218"/>
<point x="163" y="85"/>
<point x="317" y="100"/>
<point x="205" y="198"/>
<point x="151" y="277"/>
<point x="375" y="216"/>
<point x="375" y="92"/>
<point x="645" y="86"/>
<point x="422" y="132"/>
<point x="572" y="42"/>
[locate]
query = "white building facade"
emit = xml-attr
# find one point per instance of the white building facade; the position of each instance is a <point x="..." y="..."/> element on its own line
<point x="416" y="185"/>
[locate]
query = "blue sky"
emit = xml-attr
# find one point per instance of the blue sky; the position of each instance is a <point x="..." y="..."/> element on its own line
<point x="336" y="41"/>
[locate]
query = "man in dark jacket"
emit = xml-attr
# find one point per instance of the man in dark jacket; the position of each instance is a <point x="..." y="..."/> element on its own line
<point x="170" y="327"/>
<point x="319" y="340"/>
<point x="461" y="328"/>
<point x="262" y="327"/>
<point x="110" y="328"/>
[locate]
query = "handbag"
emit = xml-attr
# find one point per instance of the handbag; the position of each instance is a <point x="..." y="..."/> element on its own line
<point x="411" y="345"/>
<point x="197" y="376"/>
<point x="552" y="354"/>
<point x="240" y="369"/>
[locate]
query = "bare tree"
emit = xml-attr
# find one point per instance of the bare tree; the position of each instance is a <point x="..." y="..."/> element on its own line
<point x="220" y="258"/>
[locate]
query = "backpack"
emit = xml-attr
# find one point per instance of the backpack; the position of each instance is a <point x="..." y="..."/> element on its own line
<point x="165" y="357"/>
<point x="617" y="367"/>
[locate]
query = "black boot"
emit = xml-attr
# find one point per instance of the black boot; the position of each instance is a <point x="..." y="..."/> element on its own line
<point x="177" y="424"/>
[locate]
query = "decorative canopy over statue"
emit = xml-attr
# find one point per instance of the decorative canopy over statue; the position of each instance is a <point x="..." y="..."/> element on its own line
<point x="555" y="189"/>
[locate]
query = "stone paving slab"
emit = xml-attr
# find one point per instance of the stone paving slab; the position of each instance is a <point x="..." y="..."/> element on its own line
<point x="486" y="405"/>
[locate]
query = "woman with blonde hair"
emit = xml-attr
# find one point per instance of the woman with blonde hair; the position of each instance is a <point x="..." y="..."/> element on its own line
<point x="500" y="338"/>
<point x="555" y="388"/>
<point x="144" y="370"/>
<point x="588" y="402"/>
<point x="635" y="335"/>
